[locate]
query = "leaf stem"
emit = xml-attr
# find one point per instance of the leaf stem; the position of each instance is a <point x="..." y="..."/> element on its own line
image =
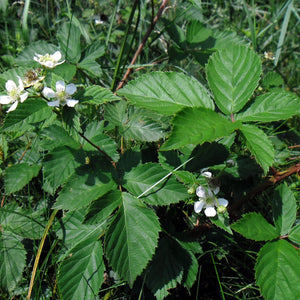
<point x="142" y="44"/>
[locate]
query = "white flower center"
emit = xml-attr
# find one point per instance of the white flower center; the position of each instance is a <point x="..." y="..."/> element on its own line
<point x="47" y="57"/>
<point x="14" y="94"/>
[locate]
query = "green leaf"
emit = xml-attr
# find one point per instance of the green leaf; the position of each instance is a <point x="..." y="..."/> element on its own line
<point x="26" y="115"/>
<point x="103" y="207"/>
<point x="233" y="74"/>
<point x="142" y="126"/>
<point x="73" y="232"/>
<point x="94" y="133"/>
<point x="17" y="176"/>
<point x="56" y="136"/>
<point x="131" y="239"/>
<point x="59" y="165"/>
<point x="167" y="92"/>
<point x="81" y="274"/>
<point x="277" y="271"/>
<point x="91" y="66"/>
<point x="25" y="223"/>
<point x="115" y="113"/>
<point x="12" y="260"/>
<point x="196" y="126"/>
<point x="255" y="227"/>
<point x="259" y="145"/>
<point x="222" y="221"/>
<point x="95" y="50"/>
<point x="196" y="32"/>
<point x="96" y="94"/>
<point x="284" y="209"/>
<point x="69" y="40"/>
<point x="87" y="184"/>
<point x="294" y="234"/>
<point x="272" y="79"/>
<point x="40" y="47"/>
<point x="11" y="74"/>
<point x="170" y="265"/>
<point x="65" y="71"/>
<point x="273" y="106"/>
<point x="143" y="177"/>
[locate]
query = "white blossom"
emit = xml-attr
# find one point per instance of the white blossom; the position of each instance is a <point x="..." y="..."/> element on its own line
<point x="14" y="94"/>
<point x="208" y="200"/>
<point x="62" y="94"/>
<point x="49" y="60"/>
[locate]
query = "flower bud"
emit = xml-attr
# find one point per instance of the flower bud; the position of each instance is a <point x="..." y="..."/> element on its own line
<point x="221" y="209"/>
<point x="191" y="190"/>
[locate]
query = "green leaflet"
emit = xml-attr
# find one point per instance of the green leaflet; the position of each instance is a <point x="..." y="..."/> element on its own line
<point x="12" y="260"/>
<point x="273" y="106"/>
<point x="294" y="235"/>
<point x="166" y="92"/>
<point x="26" y="115"/>
<point x="59" y="165"/>
<point x="86" y="184"/>
<point x="17" y="176"/>
<point x="171" y="264"/>
<point x="143" y="177"/>
<point x="255" y="227"/>
<point x="196" y="126"/>
<point x="131" y="239"/>
<point x="81" y="274"/>
<point x="284" y="209"/>
<point x="277" y="271"/>
<point x="233" y="74"/>
<point x="259" y="145"/>
<point x="69" y="40"/>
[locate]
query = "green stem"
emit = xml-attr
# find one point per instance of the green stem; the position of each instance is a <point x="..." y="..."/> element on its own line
<point x="39" y="252"/>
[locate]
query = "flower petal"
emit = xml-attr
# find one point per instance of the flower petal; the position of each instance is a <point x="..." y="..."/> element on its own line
<point x="54" y="103"/>
<point x="49" y="64"/>
<point x="71" y="88"/>
<point x="13" y="107"/>
<point x="21" y="85"/>
<point x="201" y="191"/>
<point x="56" y="56"/>
<point x="71" y="102"/>
<point x="23" y="97"/>
<point x="60" y="86"/>
<point x="10" y="85"/>
<point x="210" y="211"/>
<point x="222" y="201"/>
<point x="198" y="205"/>
<point x="215" y="189"/>
<point x="49" y="93"/>
<point x="207" y="174"/>
<point x="5" y="99"/>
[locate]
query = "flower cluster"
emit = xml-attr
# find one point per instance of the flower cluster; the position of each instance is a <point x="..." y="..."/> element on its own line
<point x="62" y="95"/>
<point x="14" y="94"/>
<point x="49" y="60"/>
<point x="208" y="200"/>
